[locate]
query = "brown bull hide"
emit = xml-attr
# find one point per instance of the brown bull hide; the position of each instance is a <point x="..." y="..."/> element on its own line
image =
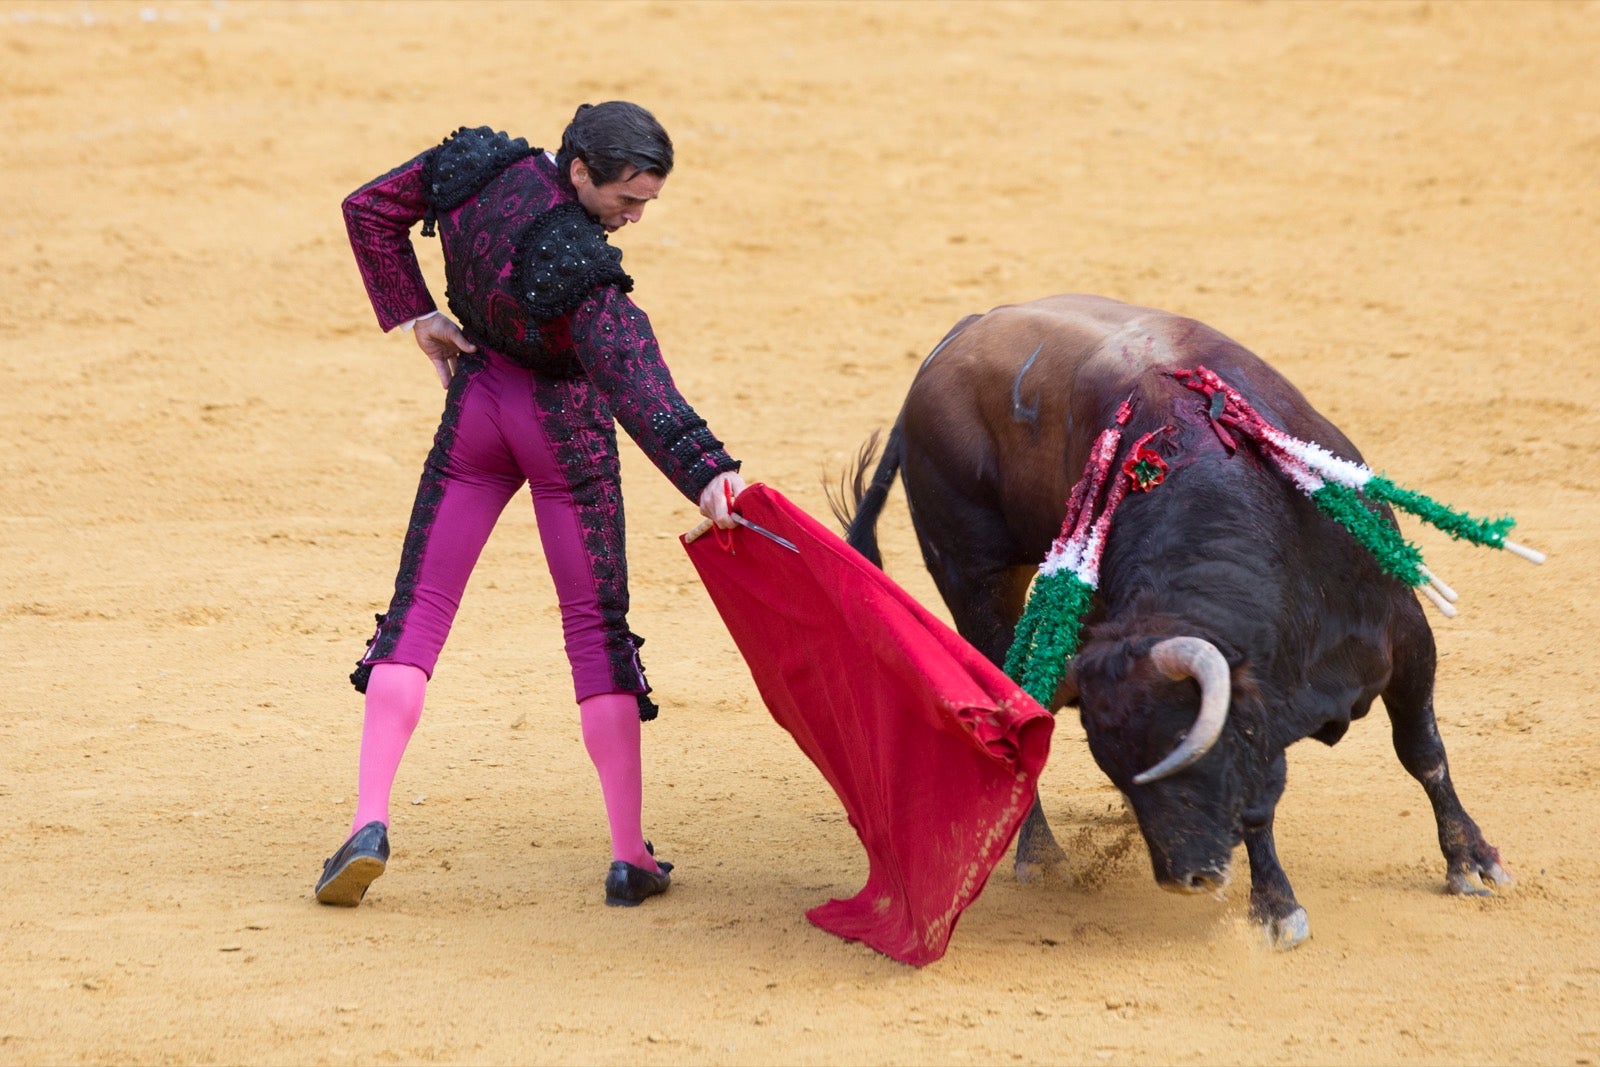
<point x="996" y="429"/>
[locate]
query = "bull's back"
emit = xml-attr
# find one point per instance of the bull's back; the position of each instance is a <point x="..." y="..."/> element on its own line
<point x="1033" y="383"/>
<point x="1054" y="362"/>
<point x="1057" y="337"/>
<point x="1001" y="415"/>
<point x="1004" y="412"/>
<point x="1033" y="375"/>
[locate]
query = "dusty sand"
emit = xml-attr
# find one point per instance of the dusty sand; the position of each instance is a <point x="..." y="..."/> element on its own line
<point x="210" y="451"/>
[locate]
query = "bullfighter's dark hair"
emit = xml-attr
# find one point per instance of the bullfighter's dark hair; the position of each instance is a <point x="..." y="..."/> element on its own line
<point x="611" y="137"/>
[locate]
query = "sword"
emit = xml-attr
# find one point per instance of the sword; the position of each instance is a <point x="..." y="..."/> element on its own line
<point x="764" y="532"/>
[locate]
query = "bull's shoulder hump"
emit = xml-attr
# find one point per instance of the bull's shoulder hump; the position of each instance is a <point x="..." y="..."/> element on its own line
<point x="1060" y="337"/>
<point x="1075" y="334"/>
<point x="1075" y="312"/>
<point x="1086" y="307"/>
<point x="1083" y="318"/>
<point x="1142" y="342"/>
<point x="1058" y="322"/>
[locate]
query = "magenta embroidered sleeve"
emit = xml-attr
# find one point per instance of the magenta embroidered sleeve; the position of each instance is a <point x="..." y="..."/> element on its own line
<point x="379" y="217"/>
<point x="618" y="349"/>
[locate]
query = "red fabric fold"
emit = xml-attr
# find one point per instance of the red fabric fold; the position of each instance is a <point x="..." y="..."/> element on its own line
<point x="932" y="750"/>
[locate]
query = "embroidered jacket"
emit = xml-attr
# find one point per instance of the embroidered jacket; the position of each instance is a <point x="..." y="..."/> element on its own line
<point x="506" y="230"/>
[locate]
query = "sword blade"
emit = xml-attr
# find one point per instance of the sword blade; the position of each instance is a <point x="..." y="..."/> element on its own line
<point x="764" y="532"/>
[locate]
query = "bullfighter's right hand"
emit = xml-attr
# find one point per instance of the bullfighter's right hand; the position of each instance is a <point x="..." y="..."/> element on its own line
<point x="441" y="341"/>
<point x="716" y="499"/>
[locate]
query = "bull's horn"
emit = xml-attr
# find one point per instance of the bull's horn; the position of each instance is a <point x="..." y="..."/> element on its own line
<point x="1192" y="657"/>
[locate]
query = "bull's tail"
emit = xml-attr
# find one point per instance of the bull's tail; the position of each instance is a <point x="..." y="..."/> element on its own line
<point x="859" y="516"/>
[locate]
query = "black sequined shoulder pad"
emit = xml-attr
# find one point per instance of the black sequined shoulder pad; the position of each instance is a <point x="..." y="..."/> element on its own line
<point x="562" y="257"/>
<point x="467" y="161"/>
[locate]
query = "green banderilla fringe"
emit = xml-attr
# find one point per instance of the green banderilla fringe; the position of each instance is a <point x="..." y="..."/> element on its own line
<point x="1047" y="634"/>
<point x="1457" y="524"/>
<point x="1394" y="553"/>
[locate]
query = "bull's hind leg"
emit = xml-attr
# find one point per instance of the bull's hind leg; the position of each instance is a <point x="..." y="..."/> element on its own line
<point x="1038" y="852"/>
<point x="985" y="608"/>
<point x="1472" y="865"/>
<point x="985" y="605"/>
<point x="988" y="621"/>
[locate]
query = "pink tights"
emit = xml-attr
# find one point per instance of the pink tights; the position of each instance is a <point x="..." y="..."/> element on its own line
<point x="394" y="706"/>
<point x="610" y="733"/>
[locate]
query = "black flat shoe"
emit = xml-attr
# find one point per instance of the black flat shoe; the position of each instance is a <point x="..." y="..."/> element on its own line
<point x="348" y="872"/>
<point x="628" y="886"/>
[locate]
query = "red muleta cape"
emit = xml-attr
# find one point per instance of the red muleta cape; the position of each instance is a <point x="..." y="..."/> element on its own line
<point x="933" y="751"/>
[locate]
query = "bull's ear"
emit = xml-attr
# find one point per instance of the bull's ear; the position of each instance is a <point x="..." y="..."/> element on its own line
<point x="1067" y="692"/>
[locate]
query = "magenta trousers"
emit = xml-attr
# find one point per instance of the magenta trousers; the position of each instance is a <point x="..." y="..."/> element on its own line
<point x="504" y="426"/>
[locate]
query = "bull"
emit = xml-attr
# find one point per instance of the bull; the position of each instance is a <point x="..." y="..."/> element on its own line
<point x="1231" y="618"/>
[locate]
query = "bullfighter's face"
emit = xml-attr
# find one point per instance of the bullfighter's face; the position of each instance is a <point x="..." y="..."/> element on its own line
<point x="616" y="203"/>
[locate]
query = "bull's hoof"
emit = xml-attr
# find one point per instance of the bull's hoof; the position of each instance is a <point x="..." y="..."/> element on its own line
<point x="1039" y="856"/>
<point x="1480" y="881"/>
<point x="1030" y="873"/>
<point x="1287" y="932"/>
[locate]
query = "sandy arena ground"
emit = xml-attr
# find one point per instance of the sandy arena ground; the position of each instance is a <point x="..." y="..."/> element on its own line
<point x="210" y="453"/>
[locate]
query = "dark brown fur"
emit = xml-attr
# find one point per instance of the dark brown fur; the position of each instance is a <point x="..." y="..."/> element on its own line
<point x="996" y="429"/>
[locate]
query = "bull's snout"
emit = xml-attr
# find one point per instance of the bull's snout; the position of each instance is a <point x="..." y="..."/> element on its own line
<point x="1209" y="880"/>
<point x="1189" y="859"/>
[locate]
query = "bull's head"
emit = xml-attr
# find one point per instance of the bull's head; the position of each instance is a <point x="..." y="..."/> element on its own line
<point x="1154" y="722"/>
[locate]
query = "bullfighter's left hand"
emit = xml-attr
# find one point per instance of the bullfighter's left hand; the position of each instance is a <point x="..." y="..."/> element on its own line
<point x="442" y="341"/>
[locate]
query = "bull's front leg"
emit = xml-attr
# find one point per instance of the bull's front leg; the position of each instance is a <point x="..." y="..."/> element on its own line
<point x="1273" y="906"/>
<point x="1472" y="865"/>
